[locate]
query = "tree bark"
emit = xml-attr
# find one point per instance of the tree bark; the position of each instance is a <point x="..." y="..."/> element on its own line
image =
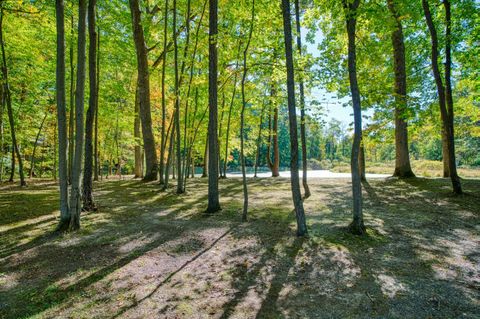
<point x="88" y="201"/>
<point x="138" y="169"/>
<point x="71" y="121"/>
<point x="62" y="118"/>
<point x="302" y="106"/>
<point x="448" y="86"/>
<point x="164" y="102"/>
<point x="357" y="226"/>
<point x="361" y="162"/>
<point x="402" y="158"/>
<point x="151" y="169"/>
<point x="445" y="116"/>
<point x="292" y="116"/>
<point x="75" y="194"/>
<point x="213" y="195"/>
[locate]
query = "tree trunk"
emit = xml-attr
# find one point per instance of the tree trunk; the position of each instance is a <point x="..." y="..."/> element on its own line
<point x="32" y="161"/>
<point x="213" y="195"/>
<point x="294" y="179"/>
<point x="71" y="120"/>
<point x="242" y="117"/>
<point x="62" y="118"/>
<point x="357" y="226"/>
<point x="361" y="162"/>
<point x="95" y="174"/>
<point x="88" y="201"/>
<point x="178" y="144"/>
<point x="205" y="160"/>
<point x="138" y="169"/>
<point x="144" y="93"/>
<point x="302" y="106"/>
<point x="445" y="116"/>
<point x="448" y="86"/>
<point x="75" y="195"/>
<point x="402" y="158"/>
<point x="2" y="107"/>
<point x="164" y="102"/>
<point x="171" y="129"/>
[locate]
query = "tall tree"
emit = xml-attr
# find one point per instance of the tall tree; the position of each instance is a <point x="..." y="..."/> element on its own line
<point x="62" y="118"/>
<point x="8" y="102"/>
<point x="213" y="195"/>
<point x="143" y="83"/>
<point x="242" y="116"/>
<point x="302" y="105"/>
<point x="402" y="158"/>
<point x="163" y="141"/>
<point x="357" y="226"/>
<point x="444" y="112"/>
<point x="292" y="116"/>
<point x="88" y="201"/>
<point x="75" y="192"/>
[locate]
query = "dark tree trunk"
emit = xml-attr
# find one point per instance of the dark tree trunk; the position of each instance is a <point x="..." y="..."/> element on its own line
<point x="357" y="226"/>
<point x="32" y="161"/>
<point x="402" y="158"/>
<point x="170" y="135"/>
<point x="8" y="99"/>
<point x="361" y="162"/>
<point x="273" y="135"/>
<point x="213" y="196"/>
<point x="302" y="106"/>
<point x="294" y="179"/>
<point x="445" y="116"/>
<point x="88" y="201"/>
<point x="75" y="192"/>
<point x="144" y="93"/>
<point x="448" y="88"/>
<point x="164" y="102"/>
<point x="62" y="118"/>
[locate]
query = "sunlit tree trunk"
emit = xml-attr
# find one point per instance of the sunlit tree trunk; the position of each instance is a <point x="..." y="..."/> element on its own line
<point x="402" y="158"/>
<point x="292" y="116"/>
<point x="75" y="193"/>
<point x="357" y="226"/>
<point x="144" y="93"/>
<point x="62" y="118"/>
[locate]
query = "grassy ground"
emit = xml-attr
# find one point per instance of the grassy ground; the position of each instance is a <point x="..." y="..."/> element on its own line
<point x="422" y="168"/>
<point x="148" y="254"/>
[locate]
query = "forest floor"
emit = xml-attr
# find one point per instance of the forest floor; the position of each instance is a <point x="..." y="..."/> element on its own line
<point x="151" y="254"/>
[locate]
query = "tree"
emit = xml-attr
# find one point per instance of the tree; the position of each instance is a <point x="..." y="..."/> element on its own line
<point x="62" y="118"/>
<point x="402" y="158"/>
<point x="88" y="201"/>
<point x="213" y="195"/>
<point x="302" y="105"/>
<point x="444" y="112"/>
<point x="144" y="93"/>
<point x="357" y="226"/>
<point x="292" y="116"/>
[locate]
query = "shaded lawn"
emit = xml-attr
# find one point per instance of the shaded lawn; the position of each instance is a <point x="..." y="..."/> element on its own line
<point x="149" y="254"/>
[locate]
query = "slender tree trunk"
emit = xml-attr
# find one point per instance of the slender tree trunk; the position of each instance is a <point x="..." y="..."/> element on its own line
<point x="95" y="170"/>
<point x="2" y="145"/>
<point x="144" y="93"/>
<point x="88" y="201"/>
<point x="294" y="179"/>
<point x="55" y="152"/>
<point x="164" y="102"/>
<point x="8" y="99"/>
<point x="445" y="116"/>
<point x="62" y="118"/>
<point x="12" y="168"/>
<point x="75" y="193"/>
<point x="32" y="161"/>
<point x="213" y="195"/>
<point x="448" y="88"/>
<point x="205" y="160"/>
<point x="178" y="145"/>
<point x="402" y="158"/>
<point x="138" y="169"/>
<point x="171" y="129"/>
<point x="357" y="226"/>
<point x="302" y="106"/>
<point x="242" y="117"/>
<point x="361" y="162"/>
<point x="71" y="121"/>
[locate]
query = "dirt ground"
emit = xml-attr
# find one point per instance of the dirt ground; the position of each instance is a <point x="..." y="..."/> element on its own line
<point x="152" y="254"/>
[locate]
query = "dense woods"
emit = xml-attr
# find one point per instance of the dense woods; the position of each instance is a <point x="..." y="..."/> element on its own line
<point x="186" y="96"/>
